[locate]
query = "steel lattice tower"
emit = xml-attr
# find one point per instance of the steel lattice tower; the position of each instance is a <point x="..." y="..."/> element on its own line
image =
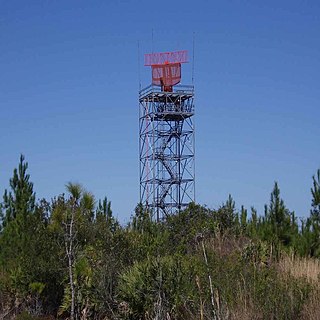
<point x="166" y="142"/>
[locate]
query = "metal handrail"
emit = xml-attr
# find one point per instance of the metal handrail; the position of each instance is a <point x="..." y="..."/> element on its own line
<point x="186" y="89"/>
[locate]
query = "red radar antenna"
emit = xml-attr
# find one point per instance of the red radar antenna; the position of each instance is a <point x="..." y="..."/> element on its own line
<point x="166" y="68"/>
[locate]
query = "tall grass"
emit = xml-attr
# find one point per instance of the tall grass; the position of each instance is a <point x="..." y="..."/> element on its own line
<point x="298" y="267"/>
<point x="309" y="269"/>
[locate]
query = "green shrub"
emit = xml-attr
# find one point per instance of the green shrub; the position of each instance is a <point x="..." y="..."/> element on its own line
<point x="160" y="285"/>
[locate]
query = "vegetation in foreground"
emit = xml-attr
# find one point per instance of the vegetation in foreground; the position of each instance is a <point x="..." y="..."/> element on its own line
<point x="69" y="258"/>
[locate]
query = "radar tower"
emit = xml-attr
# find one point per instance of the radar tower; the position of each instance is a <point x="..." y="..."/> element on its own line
<point x="166" y="137"/>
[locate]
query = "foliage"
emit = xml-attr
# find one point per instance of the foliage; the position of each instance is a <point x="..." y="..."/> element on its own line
<point x="161" y="286"/>
<point x="69" y="257"/>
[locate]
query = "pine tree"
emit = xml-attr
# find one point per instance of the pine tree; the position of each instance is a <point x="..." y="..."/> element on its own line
<point x="315" y="191"/>
<point x="243" y="220"/>
<point x="315" y="216"/>
<point x="21" y="198"/>
<point x="226" y="215"/>
<point x="104" y="210"/>
<point x="277" y="219"/>
<point x="22" y="238"/>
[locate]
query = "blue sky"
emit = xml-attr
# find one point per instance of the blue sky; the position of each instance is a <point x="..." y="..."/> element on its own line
<point x="69" y="78"/>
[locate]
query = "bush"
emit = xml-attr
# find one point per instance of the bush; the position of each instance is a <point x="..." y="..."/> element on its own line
<point x="161" y="286"/>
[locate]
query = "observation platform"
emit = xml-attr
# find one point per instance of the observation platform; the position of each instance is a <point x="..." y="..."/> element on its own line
<point x="168" y="106"/>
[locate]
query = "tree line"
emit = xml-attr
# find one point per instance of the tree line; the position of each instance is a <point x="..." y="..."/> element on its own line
<point x="69" y="258"/>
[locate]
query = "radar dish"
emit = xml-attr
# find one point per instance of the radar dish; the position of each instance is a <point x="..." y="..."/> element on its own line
<point x="166" y="68"/>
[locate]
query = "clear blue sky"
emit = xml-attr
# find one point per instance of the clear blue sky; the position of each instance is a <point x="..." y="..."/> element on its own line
<point x="69" y="95"/>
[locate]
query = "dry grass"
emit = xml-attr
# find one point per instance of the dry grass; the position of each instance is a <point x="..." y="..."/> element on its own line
<point x="311" y="309"/>
<point x="245" y="308"/>
<point x="307" y="268"/>
<point x="227" y="245"/>
<point x="297" y="267"/>
<point x="242" y="314"/>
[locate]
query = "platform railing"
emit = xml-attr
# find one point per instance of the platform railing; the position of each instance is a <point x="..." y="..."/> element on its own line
<point x="185" y="89"/>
